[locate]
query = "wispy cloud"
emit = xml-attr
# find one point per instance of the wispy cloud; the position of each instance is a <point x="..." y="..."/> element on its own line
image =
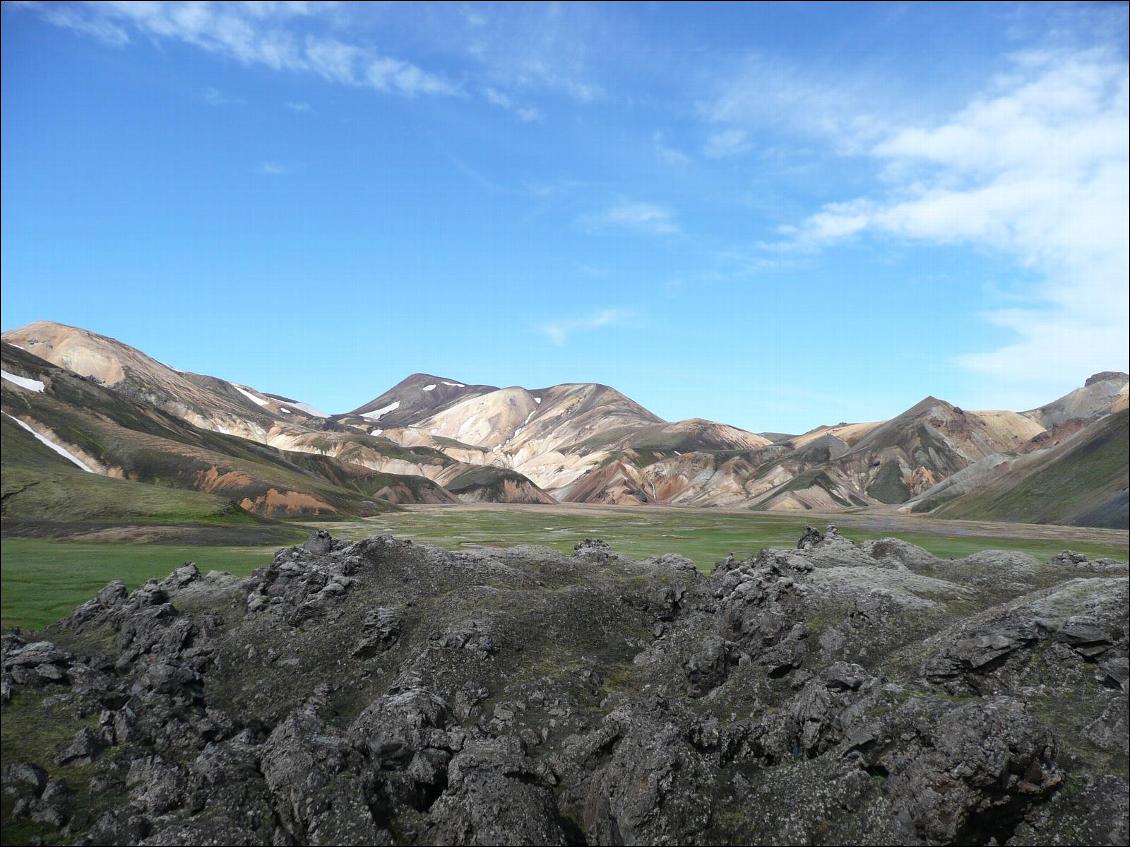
<point x="259" y="34"/>
<point x="762" y="93"/>
<point x="526" y="114"/>
<point x="96" y="26"/>
<point x="728" y="142"/>
<point x="560" y="331"/>
<point x="215" y="97"/>
<point x="508" y="58"/>
<point x="1036" y="169"/>
<point x="273" y="169"/>
<point x="666" y="153"/>
<point x="634" y="216"/>
<point x="537" y="47"/>
<point x="296" y="106"/>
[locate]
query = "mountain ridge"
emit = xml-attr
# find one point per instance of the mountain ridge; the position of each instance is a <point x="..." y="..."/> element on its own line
<point x="432" y="438"/>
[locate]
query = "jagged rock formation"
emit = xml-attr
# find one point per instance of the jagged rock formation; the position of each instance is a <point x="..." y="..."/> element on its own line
<point x="384" y="692"/>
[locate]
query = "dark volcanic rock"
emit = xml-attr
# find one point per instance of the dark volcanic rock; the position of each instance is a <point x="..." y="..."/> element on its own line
<point x="320" y="541"/>
<point x="810" y="538"/>
<point x="384" y="692"/>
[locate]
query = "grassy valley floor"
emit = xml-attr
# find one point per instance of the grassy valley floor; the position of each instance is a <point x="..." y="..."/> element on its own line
<point x="706" y="535"/>
<point x="43" y="580"/>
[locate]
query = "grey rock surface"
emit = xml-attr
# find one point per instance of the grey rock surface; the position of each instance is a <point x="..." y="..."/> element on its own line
<point x="384" y="692"/>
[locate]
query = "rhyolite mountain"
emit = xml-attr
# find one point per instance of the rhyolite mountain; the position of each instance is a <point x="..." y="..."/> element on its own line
<point x="1070" y="483"/>
<point x="438" y="439"/>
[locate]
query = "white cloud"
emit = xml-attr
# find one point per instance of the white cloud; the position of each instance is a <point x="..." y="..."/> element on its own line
<point x="296" y="106"/>
<point x="526" y="114"/>
<point x="666" y="153"/>
<point x="728" y="142"/>
<point x="215" y="97"/>
<point x="272" y="169"/>
<point x="522" y="52"/>
<point x="1036" y="170"/>
<point x="559" y="331"/>
<point x="764" y="93"/>
<point x="96" y="27"/>
<point x="393" y="75"/>
<point x="261" y="34"/>
<point x="535" y="47"/>
<point x="648" y="218"/>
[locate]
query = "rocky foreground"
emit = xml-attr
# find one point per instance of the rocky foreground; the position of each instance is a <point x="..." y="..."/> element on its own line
<point x="383" y="692"/>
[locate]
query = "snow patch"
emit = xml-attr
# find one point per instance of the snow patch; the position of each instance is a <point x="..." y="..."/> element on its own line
<point x="23" y="382"/>
<point x="310" y="410"/>
<point x="455" y="384"/>
<point x="257" y="400"/>
<point x="62" y="451"/>
<point x="431" y="387"/>
<point x="375" y="431"/>
<point x="378" y="413"/>
<point x="537" y="399"/>
<point x="284" y="411"/>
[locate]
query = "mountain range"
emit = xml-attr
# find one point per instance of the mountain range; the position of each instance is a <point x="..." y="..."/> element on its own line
<point x="96" y="431"/>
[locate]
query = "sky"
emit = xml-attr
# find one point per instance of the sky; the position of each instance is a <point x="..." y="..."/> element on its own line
<point x="776" y="216"/>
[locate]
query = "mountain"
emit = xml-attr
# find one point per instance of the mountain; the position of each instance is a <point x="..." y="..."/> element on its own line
<point x="123" y="456"/>
<point x="859" y="466"/>
<point x="416" y="398"/>
<point x="1102" y="394"/>
<point x="345" y="457"/>
<point x="436" y="439"/>
<point x="1081" y="482"/>
<point x="102" y="432"/>
<point x="42" y="490"/>
<point x="928" y="442"/>
<point x="846" y="466"/>
<point x="204" y="401"/>
<point x="566" y="438"/>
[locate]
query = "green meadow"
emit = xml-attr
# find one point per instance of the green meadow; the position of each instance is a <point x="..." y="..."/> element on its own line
<point x="706" y="536"/>
<point x="43" y="580"/>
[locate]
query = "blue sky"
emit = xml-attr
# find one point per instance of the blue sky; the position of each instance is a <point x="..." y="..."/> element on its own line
<point x="773" y="216"/>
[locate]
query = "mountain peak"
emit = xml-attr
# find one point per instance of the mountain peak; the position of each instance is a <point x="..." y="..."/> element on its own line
<point x="416" y="378"/>
<point x="417" y="396"/>
<point x="925" y="405"/>
<point x="1107" y="376"/>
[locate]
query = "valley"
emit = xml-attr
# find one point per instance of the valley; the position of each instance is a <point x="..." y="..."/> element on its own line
<point x="519" y="571"/>
<point x="86" y="413"/>
<point x="116" y="465"/>
<point x="565" y="424"/>
<point x="43" y="579"/>
<point x="705" y="536"/>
